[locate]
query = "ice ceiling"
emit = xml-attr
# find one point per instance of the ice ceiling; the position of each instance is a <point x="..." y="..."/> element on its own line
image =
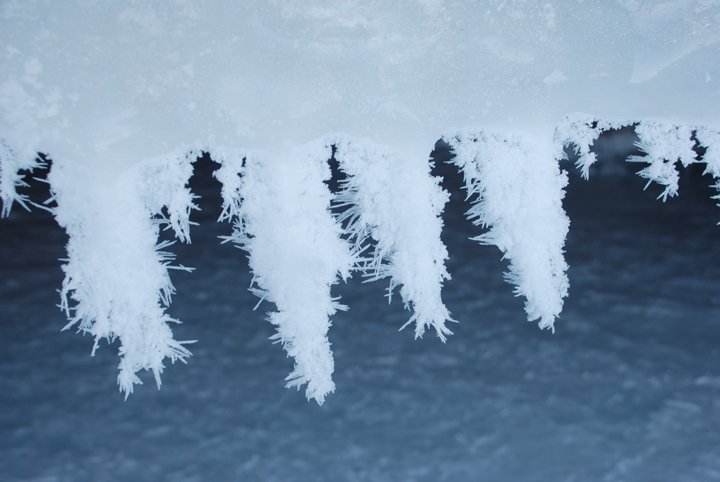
<point x="113" y="83"/>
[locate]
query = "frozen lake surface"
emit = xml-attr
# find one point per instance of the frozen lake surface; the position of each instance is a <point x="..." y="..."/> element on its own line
<point x="627" y="389"/>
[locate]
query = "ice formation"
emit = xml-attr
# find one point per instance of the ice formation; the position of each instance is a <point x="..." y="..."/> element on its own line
<point x="115" y="93"/>
<point x="11" y="178"/>
<point x="281" y="209"/>
<point x="116" y="274"/>
<point x="393" y="199"/>
<point x="518" y="190"/>
<point x="662" y="143"/>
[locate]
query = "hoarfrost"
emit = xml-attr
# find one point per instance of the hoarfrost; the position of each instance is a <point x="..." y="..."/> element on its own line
<point x="393" y="199"/>
<point x="11" y="178"/>
<point x="519" y="189"/>
<point x="580" y="131"/>
<point x="113" y="93"/>
<point x="281" y="208"/>
<point x="116" y="275"/>
<point x="664" y="144"/>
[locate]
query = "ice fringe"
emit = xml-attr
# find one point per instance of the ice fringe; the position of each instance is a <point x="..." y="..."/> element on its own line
<point x="663" y="144"/>
<point x="580" y="131"/>
<point x="116" y="275"/>
<point x="394" y="200"/>
<point x="11" y="178"/>
<point x="281" y="207"/>
<point x="282" y="212"/>
<point x="519" y="189"/>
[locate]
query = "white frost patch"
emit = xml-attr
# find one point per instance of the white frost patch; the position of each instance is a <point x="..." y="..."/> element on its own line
<point x="281" y="208"/>
<point x="394" y="200"/>
<point x="519" y="189"/>
<point x="116" y="273"/>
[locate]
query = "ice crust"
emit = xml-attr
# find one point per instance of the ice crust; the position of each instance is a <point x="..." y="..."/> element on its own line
<point x="112" y="83"/>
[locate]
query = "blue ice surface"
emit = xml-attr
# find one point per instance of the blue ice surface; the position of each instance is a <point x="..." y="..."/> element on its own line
<point x="628" y="388"/>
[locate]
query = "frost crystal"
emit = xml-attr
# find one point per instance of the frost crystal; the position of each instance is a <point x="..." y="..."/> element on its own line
<point x="580" y="131"/>
<point x="395" y="201"/>
<point x="116" y="280"/>
<point x="11" y="178"/>
<point x="710" y="139"/>
<point x="281" y="208"/>
<point x="665" y="144"/>
<point x="519" y="190"/>
<point x="662" y="143"/>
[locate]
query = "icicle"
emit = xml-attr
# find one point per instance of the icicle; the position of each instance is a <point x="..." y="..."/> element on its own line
<point x="398" y="203"/>
<point x="282" y="219"/>
<point x="519" y="190"/>
<point x="116" y="273"/>
<point x="665" y="144"/>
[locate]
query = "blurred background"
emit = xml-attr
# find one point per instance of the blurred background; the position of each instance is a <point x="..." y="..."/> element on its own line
<point x="626" y="389"/>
